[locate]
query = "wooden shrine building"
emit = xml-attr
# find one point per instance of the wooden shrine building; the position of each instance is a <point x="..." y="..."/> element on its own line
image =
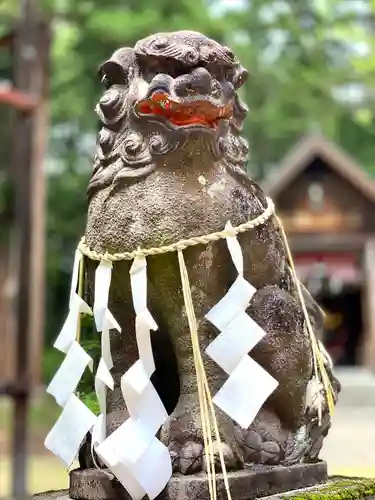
<point x="327" y="204"/>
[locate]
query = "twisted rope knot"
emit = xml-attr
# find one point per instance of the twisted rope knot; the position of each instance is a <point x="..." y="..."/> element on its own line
<point x="179" y="245"/>
<point x="138" y="252"/>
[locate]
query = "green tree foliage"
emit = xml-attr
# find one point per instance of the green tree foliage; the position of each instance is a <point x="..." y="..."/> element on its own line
<point x="300" y="55"/>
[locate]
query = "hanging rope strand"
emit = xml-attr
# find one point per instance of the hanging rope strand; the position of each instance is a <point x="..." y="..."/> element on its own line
<point x="206" y="428"/>
<point x="81" y="276"/>
<point x="202" y="379"/>
<point x="316" y="354"/>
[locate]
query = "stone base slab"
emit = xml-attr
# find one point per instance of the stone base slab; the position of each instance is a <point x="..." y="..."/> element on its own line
<point x="247" y="484"/>
<point x="343" y="488"/>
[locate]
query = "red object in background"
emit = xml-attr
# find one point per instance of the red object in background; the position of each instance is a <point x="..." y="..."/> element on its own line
<point x="340" y="265"/>
<point x="16" y="99"/>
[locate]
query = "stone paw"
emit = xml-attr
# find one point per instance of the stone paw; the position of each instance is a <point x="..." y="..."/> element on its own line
<point x="261" y="452"/>
<point x="264" y="442"/>
<point x="182" y="433"/>
<point x="189" y="457"/>
<point x="230" y="460"/>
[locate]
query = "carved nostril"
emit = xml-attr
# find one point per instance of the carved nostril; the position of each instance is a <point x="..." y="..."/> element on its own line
<point x="202" y="80"/>
<point x="161" y="83"/>
<point x="159" y="88"/>
<point x="199" y="81"/>
<point x="202" y="73"/>
<point x="184" y="86"/>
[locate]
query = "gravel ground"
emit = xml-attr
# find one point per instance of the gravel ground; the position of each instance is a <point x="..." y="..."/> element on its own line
<point x="350" y="443"/>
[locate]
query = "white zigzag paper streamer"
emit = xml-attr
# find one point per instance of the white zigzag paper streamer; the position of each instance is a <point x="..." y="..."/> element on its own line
<point x="132" y="452"/>
<point x="66" y="436"/>
<point x="143" y="466"/>
<point x="76" y="420"/>
<point x="65" y="382"/>
<point x="248" y="385"/>
<point x="103" y="275"/>
<point x="105" y="320"/>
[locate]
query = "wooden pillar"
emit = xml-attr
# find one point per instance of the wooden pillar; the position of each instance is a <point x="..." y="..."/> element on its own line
<point x="7" y="319"/>
<point x="6" y="357"/>
<point x="368" y="353"/>
<point x="31" y="71"/>
<point x="39" y="145"/>
<point x="31" y="51"/>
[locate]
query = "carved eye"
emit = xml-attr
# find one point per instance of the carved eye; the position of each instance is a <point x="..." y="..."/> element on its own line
<point x="160" y="44"/>
<point x="240" y="77"/>
<point x="208" y="55"/>
<point x="191" y="57"/>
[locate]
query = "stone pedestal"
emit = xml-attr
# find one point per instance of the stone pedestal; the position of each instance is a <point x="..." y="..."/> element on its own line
<point x="339" y="488"/>
<point x="247" y="484"/>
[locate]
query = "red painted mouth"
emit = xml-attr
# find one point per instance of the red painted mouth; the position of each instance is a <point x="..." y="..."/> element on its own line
<point x="197" y="112"/>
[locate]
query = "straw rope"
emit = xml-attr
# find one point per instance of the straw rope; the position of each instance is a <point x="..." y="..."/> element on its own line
<point x="318" y="363"/>
<point x="81" y="276"/>
<point x="208" y="417"/>
<point x="182" y="244"/>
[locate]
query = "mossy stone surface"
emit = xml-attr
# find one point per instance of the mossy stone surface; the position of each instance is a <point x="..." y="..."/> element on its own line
<point x="336" y="488"/>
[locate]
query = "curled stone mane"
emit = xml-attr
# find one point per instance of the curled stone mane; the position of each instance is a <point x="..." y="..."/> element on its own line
<point x="130" y="147"/>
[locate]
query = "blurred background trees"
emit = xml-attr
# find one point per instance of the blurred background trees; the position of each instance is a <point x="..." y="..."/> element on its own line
<point x="311" y="66"/>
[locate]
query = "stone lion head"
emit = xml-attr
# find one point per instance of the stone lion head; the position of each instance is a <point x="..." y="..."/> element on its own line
<point x="172" y="96"/>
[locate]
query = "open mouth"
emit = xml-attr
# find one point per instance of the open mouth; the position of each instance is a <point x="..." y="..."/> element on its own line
<point x="198" y="112"/>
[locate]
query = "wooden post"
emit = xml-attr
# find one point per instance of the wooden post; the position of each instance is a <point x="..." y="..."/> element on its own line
<point x="31" y="47"/>
<point x="368" y="353"/>
<point x="37" y="187"/>
<point x="31" y="76"/>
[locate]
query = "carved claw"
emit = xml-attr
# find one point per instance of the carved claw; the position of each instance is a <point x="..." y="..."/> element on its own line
<point x="189" y="458"/>
<point x="261" y="451"/>
<point x="230" y="459"/>
<point x="186" y="458"/>
<point x="182" y="433"/>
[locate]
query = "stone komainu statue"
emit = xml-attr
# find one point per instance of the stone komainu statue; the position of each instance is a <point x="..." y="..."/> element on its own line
<point x="170" y="164"/>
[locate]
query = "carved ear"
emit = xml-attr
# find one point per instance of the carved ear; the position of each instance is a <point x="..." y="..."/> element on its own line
<point x="240" y="77"/>
<point x="240" y="111"/>
<point x="116" y="69"/>
<point x="111" y="73"/>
